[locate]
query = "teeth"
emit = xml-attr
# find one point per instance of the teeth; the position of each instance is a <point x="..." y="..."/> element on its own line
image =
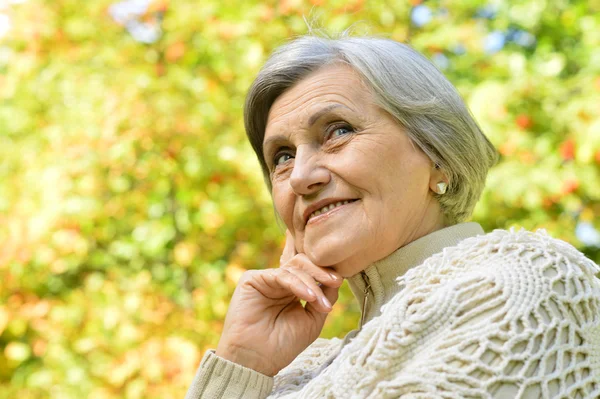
<point x="328" y="208"/>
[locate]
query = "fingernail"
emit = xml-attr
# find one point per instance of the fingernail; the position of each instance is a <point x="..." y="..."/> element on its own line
<point x="333" y="276"/>
<point x="311" y="292"/>
<point x="326" y="303"/>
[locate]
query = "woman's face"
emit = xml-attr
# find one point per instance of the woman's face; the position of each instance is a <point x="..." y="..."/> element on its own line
<point x="328" y="145"/>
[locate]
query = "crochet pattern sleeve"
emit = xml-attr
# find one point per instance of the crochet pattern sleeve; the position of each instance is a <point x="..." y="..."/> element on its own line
<point x="506" y="315"/>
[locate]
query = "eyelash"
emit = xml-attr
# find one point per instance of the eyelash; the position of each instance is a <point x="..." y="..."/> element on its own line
<point x="335" y="127"/>
<point x="328" y="135"/>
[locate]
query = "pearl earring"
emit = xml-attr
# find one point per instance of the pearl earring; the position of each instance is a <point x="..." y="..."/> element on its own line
<point x="442" y="187"/>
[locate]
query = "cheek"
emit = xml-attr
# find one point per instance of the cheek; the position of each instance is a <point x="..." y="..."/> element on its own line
<point x="284" y="204"/>
<point x="407" y="194"/>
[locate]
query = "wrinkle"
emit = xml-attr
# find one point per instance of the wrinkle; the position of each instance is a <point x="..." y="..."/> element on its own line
<point x="375" y="162"/>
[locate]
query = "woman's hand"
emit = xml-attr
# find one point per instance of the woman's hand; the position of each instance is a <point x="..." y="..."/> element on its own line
<point x="266" y="325"/>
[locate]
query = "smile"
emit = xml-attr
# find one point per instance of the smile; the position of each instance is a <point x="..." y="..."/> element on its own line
<point x="328" y="208"/>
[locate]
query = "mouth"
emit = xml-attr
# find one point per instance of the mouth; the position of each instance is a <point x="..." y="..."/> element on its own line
<point x="325" y="209"/>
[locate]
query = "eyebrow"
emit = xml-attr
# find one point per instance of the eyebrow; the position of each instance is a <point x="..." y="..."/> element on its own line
<point x="311" y="121"/>
<point x="315" y="117"/>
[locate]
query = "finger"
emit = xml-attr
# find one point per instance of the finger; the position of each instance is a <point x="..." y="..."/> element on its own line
<point x="294" y="285"/>
<point x="324" y="275"/>
<point x="289" y="251"/>
<point x="321" y="302"/>
<point x="276" y="284"/>
<point x="332" y="295"/>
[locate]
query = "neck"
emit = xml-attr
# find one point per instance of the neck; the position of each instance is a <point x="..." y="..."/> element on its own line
<point x="377" y="282"/>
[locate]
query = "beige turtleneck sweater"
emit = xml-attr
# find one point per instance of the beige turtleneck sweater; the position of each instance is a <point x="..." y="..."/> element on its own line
<point x="453" y="314"/>
<point x="382" y="274"/>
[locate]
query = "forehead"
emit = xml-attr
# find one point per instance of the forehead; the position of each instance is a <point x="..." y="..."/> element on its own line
<point x="325" y="88"/>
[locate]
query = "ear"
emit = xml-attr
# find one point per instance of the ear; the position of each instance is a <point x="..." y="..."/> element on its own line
<point x="437" y="176"/>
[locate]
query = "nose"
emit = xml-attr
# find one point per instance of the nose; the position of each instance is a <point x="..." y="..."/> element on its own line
<point x="307" y="176"/>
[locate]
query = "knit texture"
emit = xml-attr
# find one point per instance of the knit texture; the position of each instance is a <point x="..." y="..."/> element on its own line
<point x="504" y="315"/>
<point x="382" y="275"/>
<point x="220" y="378"/>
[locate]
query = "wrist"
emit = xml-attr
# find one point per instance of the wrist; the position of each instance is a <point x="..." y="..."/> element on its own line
<point x="246" y="358"/>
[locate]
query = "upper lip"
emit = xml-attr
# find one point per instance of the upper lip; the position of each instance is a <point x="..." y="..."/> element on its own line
<point x="320" y="204"/>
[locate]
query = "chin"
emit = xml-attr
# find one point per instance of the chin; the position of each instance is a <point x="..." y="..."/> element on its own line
<point x="331" y="253"/>
<point x="325" y="259"/>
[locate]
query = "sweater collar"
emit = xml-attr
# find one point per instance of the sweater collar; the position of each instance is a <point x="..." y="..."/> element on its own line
<point x="382" y="275"/>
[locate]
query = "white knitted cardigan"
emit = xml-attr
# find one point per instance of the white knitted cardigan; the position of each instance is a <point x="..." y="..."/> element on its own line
<point x="510" y="314"/>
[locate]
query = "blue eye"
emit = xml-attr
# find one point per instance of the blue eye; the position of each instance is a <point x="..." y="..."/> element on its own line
<point x="340" y="131"/>
<point x="280" y="159"/>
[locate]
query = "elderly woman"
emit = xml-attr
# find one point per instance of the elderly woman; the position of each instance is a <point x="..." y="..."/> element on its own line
<point x="374" y="164"/>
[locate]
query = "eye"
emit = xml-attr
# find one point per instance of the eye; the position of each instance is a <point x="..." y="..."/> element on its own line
<point x="340" y="130"/>
<point x="281" y="158"/>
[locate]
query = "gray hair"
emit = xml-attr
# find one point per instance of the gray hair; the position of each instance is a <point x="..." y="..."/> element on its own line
<point x="407" y="86"/>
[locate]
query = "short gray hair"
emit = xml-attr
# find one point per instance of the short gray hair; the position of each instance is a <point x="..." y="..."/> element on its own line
<point x="407" y="86"/>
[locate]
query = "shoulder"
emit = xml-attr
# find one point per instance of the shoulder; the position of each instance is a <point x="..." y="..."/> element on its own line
<point x="506" y="251"/>
<point x="501" y="276"/>
<point x="523" y="242"/>
<point x="523" y="306"/>
<point x="509" y="241"/>
<point x="535" y="255"/>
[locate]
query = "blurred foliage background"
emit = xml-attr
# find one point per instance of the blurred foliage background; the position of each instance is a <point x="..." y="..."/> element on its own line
<point x="130" y="201"/>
